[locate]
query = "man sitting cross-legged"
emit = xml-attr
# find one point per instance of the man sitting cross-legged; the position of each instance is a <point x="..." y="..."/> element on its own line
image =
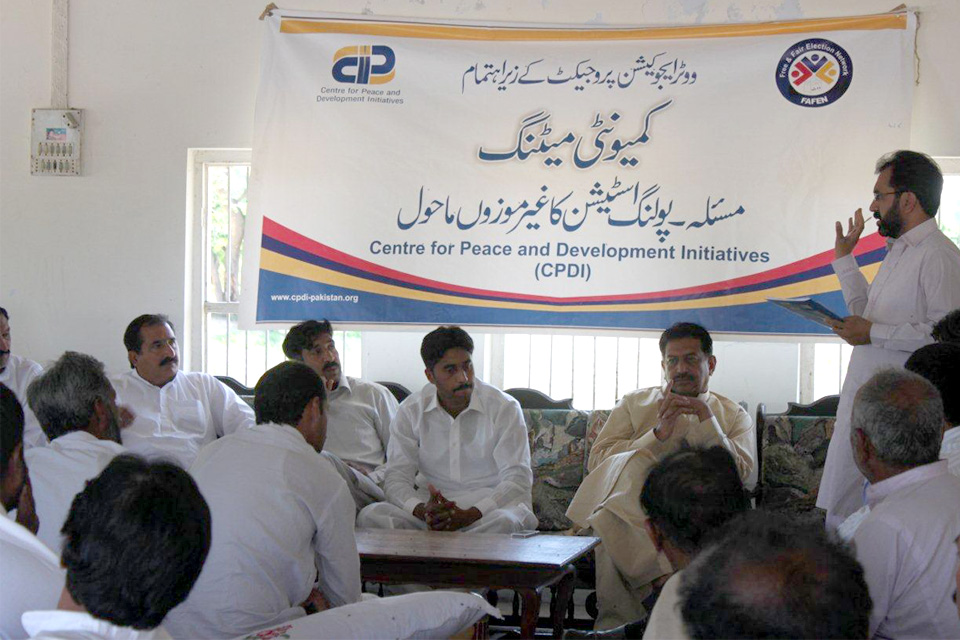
<point x="77" y="408"/>
<point x="644" y="427"/>
<point x="458" y="459"/>
<point x="280" y="514"/>
<point x="904" y="536"/>
<point x="134" y="542"/>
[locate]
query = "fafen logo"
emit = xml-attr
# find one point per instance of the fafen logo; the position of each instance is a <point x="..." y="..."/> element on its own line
<point x="814" y="73"/>
<point x="364" y="64"/>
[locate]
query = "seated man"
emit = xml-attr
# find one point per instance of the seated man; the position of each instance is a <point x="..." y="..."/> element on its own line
<point x="767" y="577"/>
<point x="459" y="459"/>
<point x="77" y="408"/>
<point x="17" y="373"/>
<point x="644" y="427"/>
<point x="940" y="364"/>
<point x="31" y="577"/>
<point x="280" y="512"/>
<point x="360" y="412"/>
<point x="904" y="536"/>
<point x="175" y="413"/>
<point x="135" y="540"/>
<point x="688" y="498"/>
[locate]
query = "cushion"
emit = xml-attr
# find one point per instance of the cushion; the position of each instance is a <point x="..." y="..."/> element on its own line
<point x="556" y="455"/>
<point x="430" y="614"/>
<point x="794" y="451"/>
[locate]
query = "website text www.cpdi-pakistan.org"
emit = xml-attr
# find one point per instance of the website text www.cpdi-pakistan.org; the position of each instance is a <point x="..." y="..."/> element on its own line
<point x="313" y="297"/>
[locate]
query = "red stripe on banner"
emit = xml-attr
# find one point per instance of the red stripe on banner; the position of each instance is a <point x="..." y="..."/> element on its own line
<point x="290" y="237"/>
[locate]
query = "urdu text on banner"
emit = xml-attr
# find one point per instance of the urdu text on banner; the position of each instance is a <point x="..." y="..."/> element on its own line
<point x="515" y="175"/>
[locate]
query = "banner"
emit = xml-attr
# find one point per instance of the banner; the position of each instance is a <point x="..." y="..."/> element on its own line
<point x="413" y="173"/>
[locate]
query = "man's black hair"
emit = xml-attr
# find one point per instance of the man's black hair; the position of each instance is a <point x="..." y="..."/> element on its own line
<point x="770" y="577"/>
<point x="283" y="392"/>
<point x="134" y="541"/>
<point x="11" y="426"/>
<point x="691" y="494"/>
<point x="301" y="337"/>
<point x="442" y="339"/>
<point x="940" y="364"/>
<point x="917" y="173"/>
<point x="132" y="339"/>
<point x="3" y="312"/>
<point x="682" y="330"/>
<point x="947" y="329"/>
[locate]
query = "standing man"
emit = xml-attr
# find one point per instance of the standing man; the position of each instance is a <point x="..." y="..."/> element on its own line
<point x="459" y="458"/>
<point x="645" y="427"/>
<point x="360" y="412"/>
<point x="17" y="373"/>
<point x="176" y="412"/>
<point x="917" y="284"/>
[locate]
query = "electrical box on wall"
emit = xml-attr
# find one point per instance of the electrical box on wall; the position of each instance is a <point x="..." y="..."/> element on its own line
<point x="55" y="142"/>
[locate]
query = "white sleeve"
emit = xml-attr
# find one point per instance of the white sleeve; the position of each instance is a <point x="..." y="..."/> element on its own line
<point x="852" y="283"/>
<point x="229" y="410"/>
<point x="336" y="547"/>
<point x="386" y="405"/>
<point x="512" y="455"/>
<point x="403" y="460"/>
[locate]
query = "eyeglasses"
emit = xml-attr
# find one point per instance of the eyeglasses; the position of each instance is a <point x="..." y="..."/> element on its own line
<point x="877" y="196"/>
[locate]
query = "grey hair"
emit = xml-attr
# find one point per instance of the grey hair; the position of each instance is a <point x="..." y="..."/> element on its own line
<point x="902" y="414"/>
<point x="63" y="396"/>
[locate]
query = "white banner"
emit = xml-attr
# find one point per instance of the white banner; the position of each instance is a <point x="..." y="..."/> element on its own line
<point x="521" y="175"/>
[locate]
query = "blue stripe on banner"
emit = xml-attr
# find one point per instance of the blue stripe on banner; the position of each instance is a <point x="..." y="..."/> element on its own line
<point x="316" y="300"/>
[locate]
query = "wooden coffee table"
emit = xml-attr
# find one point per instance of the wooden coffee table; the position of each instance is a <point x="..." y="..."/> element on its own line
<point x="478" y="560"/>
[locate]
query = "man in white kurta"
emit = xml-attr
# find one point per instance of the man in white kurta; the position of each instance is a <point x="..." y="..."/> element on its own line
<point x="30" y="574"/>
<point x="644" y="427"/>
<point x="359" y="413"/>
<point x="916" y="285"/>
<point x="73" y="388"/>
<point x="17" y="373"/>
<point x="904" y="535"/>
<point x="282" y="523"/>
<point x="175" y="412"/>
<point x="459" y="458"/>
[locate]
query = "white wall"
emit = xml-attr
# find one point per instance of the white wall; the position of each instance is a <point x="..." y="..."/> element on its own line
<point x="80" y="257"/>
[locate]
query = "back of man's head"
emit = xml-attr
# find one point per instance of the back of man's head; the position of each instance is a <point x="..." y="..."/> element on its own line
<point x="947" y="329"/>
<point x="11" y="428"/>
<point x="691" y="494"/>
<point x="135" y="541"/>
<point x="63" y="396"/>
<point x="768" y="577"/>
<point x="940" y="364"/>
<point x="682" y="330"/>
<point x="902" y="415"/>
<point x="917" y="173"/>
<point x="283" y="392"/>
<point x="301" y="337"/>
<point x="442" y="339"/>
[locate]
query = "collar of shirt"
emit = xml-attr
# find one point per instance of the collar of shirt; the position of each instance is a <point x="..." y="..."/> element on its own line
<point x="136" y="376"/>
<point x="284" y="436"/>
<point x="81" y="439"/>
<point x="54" y="622"/>
<point x="876" y="493"/>
<point x="916" y="235"/>
<point x="343" y="383"/>
<point x="433" y="402"/>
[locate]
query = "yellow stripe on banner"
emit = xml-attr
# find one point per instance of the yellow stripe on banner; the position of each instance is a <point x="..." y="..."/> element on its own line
<point x="277" y="263"/>
<point x="455" y="32"/>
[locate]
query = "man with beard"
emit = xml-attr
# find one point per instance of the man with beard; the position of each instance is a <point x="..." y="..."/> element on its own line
<point x="17" y="373"/>
<point x="77" y="409"/>
<point x="459" y="459"/>
<point x="175" y="412"/>
<point x="646" y="426"/>
<point x="359" y="412"/>
<point x="917" y="284"/>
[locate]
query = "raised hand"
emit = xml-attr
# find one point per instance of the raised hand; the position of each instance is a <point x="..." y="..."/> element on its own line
<point x="845" y="242"/>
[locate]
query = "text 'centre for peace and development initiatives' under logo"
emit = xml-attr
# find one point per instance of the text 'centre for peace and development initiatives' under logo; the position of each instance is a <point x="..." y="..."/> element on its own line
<point x="814" y="73"/>
<point x="364" y="64"/>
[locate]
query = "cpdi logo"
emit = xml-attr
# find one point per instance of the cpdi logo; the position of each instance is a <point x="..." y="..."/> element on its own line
<point x="814" y="73"/>
<point x="364" y="64"/>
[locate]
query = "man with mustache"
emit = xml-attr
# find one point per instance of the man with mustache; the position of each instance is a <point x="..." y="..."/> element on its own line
<point x="646" y="426"/>
<point x="359" y="412"/>
<point x="77" y="408"/>
<point x="17" y="373"/>
<point x="175" y="412"/>
<point x="458" y="459"/>
<point x="917" y="284"/>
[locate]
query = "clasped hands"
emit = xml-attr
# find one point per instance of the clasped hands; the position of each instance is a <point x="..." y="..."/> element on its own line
<point x="855" y="330"/>
<point x="441" y="514"/>
<point x="675" y="405"/>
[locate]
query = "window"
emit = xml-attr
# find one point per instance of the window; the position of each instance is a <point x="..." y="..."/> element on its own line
<point x="220" y="182"/>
